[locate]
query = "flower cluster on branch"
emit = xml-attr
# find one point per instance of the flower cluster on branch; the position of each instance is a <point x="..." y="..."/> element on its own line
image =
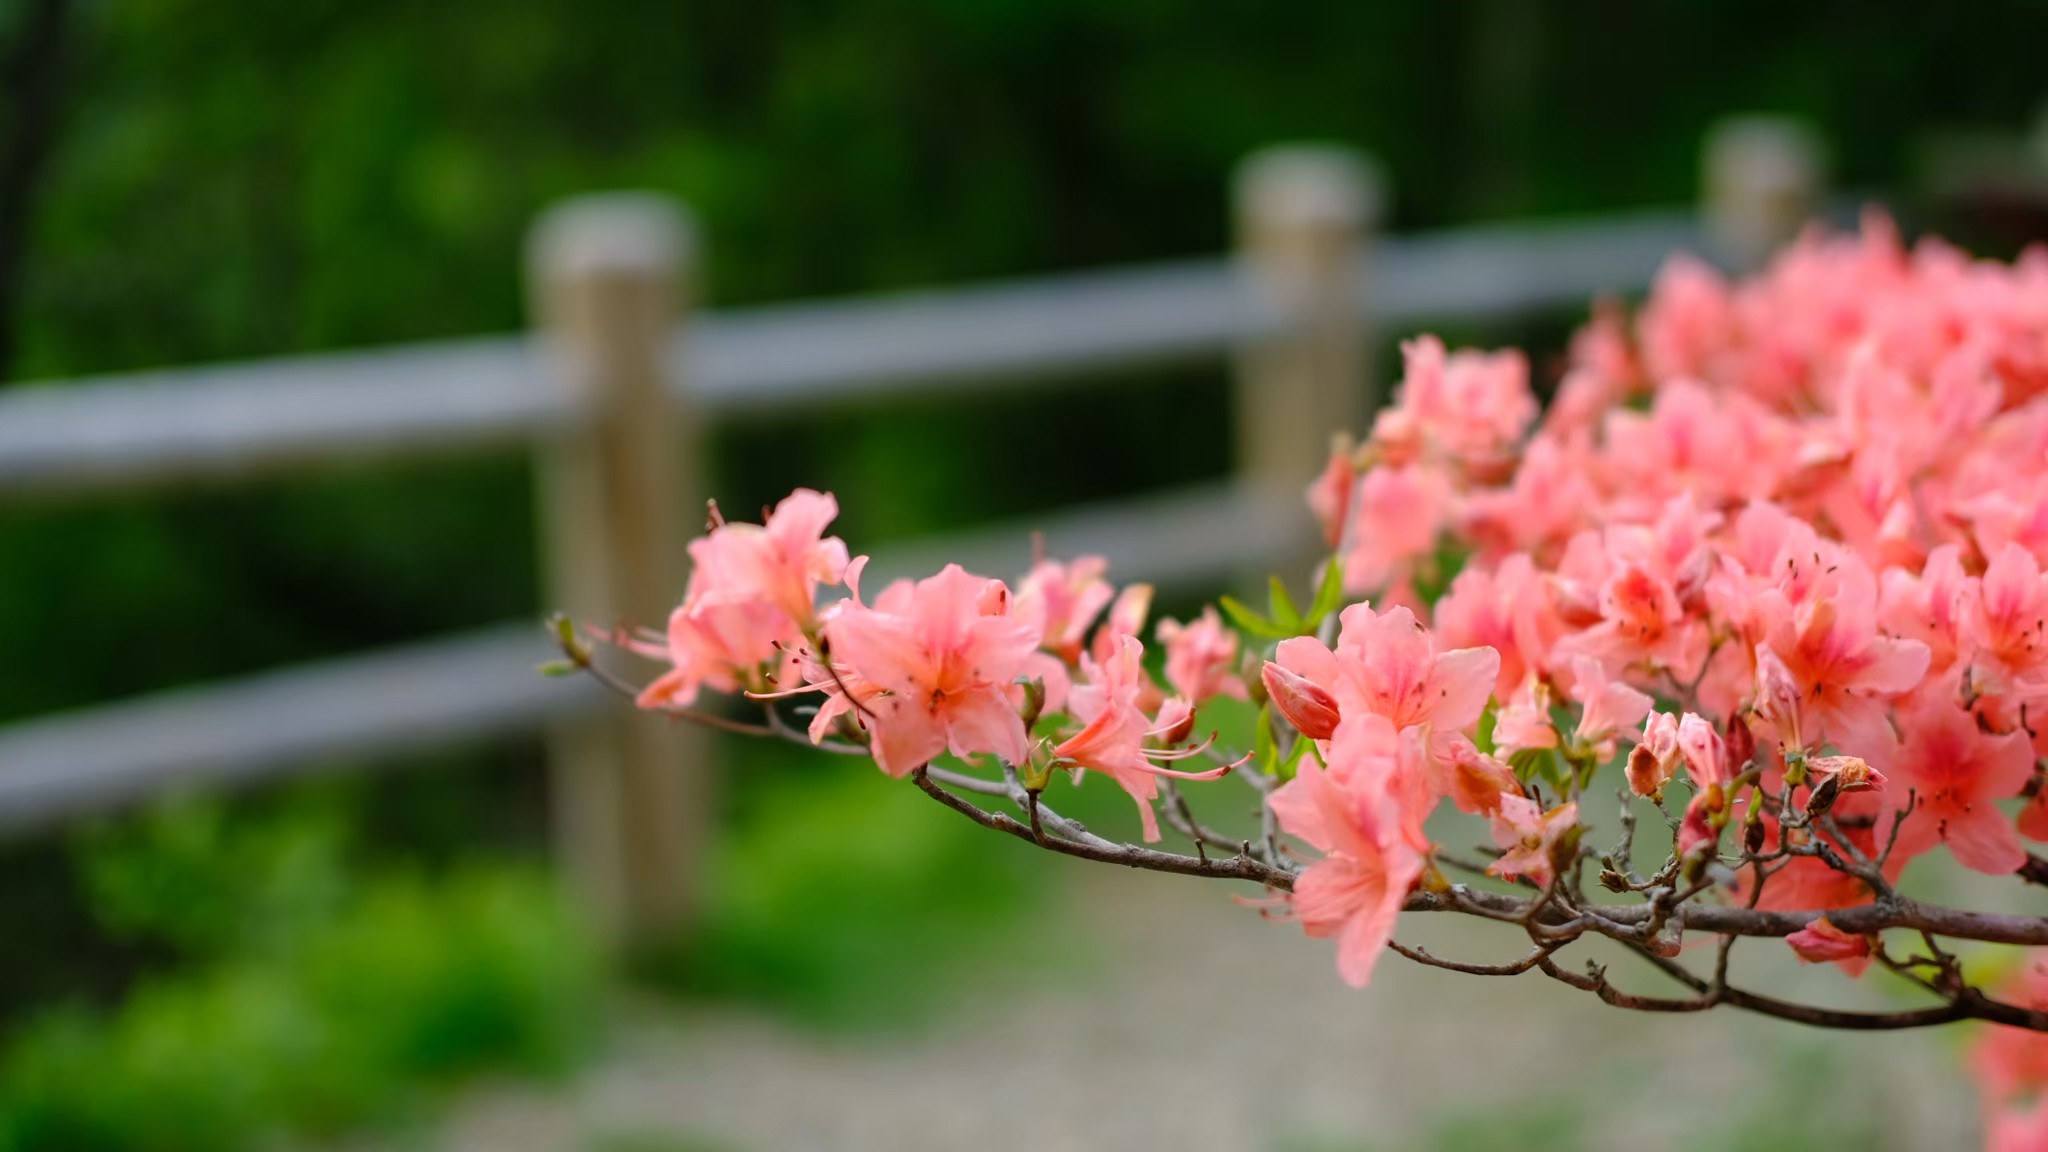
<point x="1768" y="563"/>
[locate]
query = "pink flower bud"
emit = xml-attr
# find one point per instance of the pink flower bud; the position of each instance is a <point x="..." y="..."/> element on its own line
<point x="1821" y="942"/>
<point x="1304" y="703"/>
<point x="1778" y="698"/>
<point x="1654" y="760"/>
<point x="1645" y="776"/>
<point x="1697" y="833"/>
<point x="1850" y="773"/>
<point x="1706" y="757"/>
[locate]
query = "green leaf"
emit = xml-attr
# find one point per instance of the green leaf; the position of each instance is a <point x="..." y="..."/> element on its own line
<point x="1530" y="763"/>
<point x="1302" y="746"/>
<point x="1329" y="594"/>
<point x="1483" y="735"/>
<point x="1284" y="612"/>
<point x="1252" y="622"/>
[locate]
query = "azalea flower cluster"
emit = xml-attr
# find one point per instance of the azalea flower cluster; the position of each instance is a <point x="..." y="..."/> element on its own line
<point x="951" y="664"/>
<point x="1771" y="557"/>
<point x="1808" y="512"/>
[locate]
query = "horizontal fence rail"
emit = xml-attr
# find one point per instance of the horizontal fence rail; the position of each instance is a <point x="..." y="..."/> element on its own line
<point x="484" y="684"/>
<point x="212" y="423"/>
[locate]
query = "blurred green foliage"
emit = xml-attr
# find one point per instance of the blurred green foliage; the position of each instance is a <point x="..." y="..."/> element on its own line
<point x="842" y="900"/>
<point x="313" y="995"/>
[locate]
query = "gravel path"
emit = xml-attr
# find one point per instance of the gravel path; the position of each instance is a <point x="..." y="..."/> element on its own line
<point x="1195" y="1026"/>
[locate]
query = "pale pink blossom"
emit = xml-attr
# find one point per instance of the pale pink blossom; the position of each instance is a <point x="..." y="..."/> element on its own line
<point x="1201" y="658"/>
<point x="1387" y="663"/>
<point x="1959" y="772"/>
<point x="1115" y="729"/>
<point x="1530" y="838"/>
<point x="782" y="561"/>
<point x="2007" y="622"/>
<point x="941" y="670"/>
<point x="1062" y="600"/>
<point x="1606" y="706"/>
<point x="1396" y="517"/>
<point x="1363" y="820"/>
<point x="1474" y="406"/>
<point x="2009" y="1062"/>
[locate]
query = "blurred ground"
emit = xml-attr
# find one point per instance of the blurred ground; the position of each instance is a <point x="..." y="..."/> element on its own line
<point x="1192" y="1025"/>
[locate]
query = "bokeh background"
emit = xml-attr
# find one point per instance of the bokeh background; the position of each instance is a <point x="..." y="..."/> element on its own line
<point x="377" y="955"/>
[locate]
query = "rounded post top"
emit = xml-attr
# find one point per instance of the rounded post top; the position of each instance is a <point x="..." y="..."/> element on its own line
<point x="1765" y="153"/>
<point x="1310" y="186"/>
<point x="643" y="233"/>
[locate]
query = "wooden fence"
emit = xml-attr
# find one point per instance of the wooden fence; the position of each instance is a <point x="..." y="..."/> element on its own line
<point x="614" y="392"/>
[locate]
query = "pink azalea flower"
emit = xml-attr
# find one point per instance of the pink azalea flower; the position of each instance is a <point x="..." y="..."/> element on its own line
<point x="1472" y="405"/>
<point x="2011" y="1061"/>
<point x="752" y="594"/>
<point x="1544" y="504"/>
<point x="1475" y="782"/>
<point x="1388" y="664"/>
<point x="2022" y="1129"/>
<point x="1397" y="515"/>
<point x="1531" y="838"/>
<point x="1822" y="943"/>
<point x="1126" y="618"/>
<point x="782" y="561"/>
<point x="941" y="670"/>
<point x="1062" y="601"/>
<point x="1929" y="607"/>
<point x="1329" y="497"/>
<point x="2008" y="621"/>
<point x="1201" y="658"/>
<point x="1959" y="772"/>
<point x="1115" y="729"/>
<point x="1523" y="722"/>
<point x="721" y="640"/>
<point x="1828" y="642"/>
<point x="1607" y="706"/>
<point x="1505" y="608"/>
<point x="1363" y="817"/>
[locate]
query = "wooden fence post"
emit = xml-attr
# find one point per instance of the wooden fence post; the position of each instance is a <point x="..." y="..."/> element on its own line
<point x="609" y="277"/>
<point x="1304" y="218"/>
<point x="1761" y="182"/>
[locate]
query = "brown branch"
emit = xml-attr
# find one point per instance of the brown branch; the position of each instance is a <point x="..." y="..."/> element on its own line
<point x="1717" y="919"/>
<point x="1423" y="956"/>
<point x="1242" y="866"/>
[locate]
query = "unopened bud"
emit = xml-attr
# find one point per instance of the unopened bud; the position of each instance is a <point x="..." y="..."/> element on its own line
<point x="1034" y="702"/>
<point x="1646" y="775"/>
<point x="1305" y="704"/>
<point x="1753" y="831"/>
<point x="1823" y="798"/>
<point x="1178" y="731"/>
<point x="1036" y="771"/>
<point x="1849" y="773"/>
<point x="1741" y="744"/>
